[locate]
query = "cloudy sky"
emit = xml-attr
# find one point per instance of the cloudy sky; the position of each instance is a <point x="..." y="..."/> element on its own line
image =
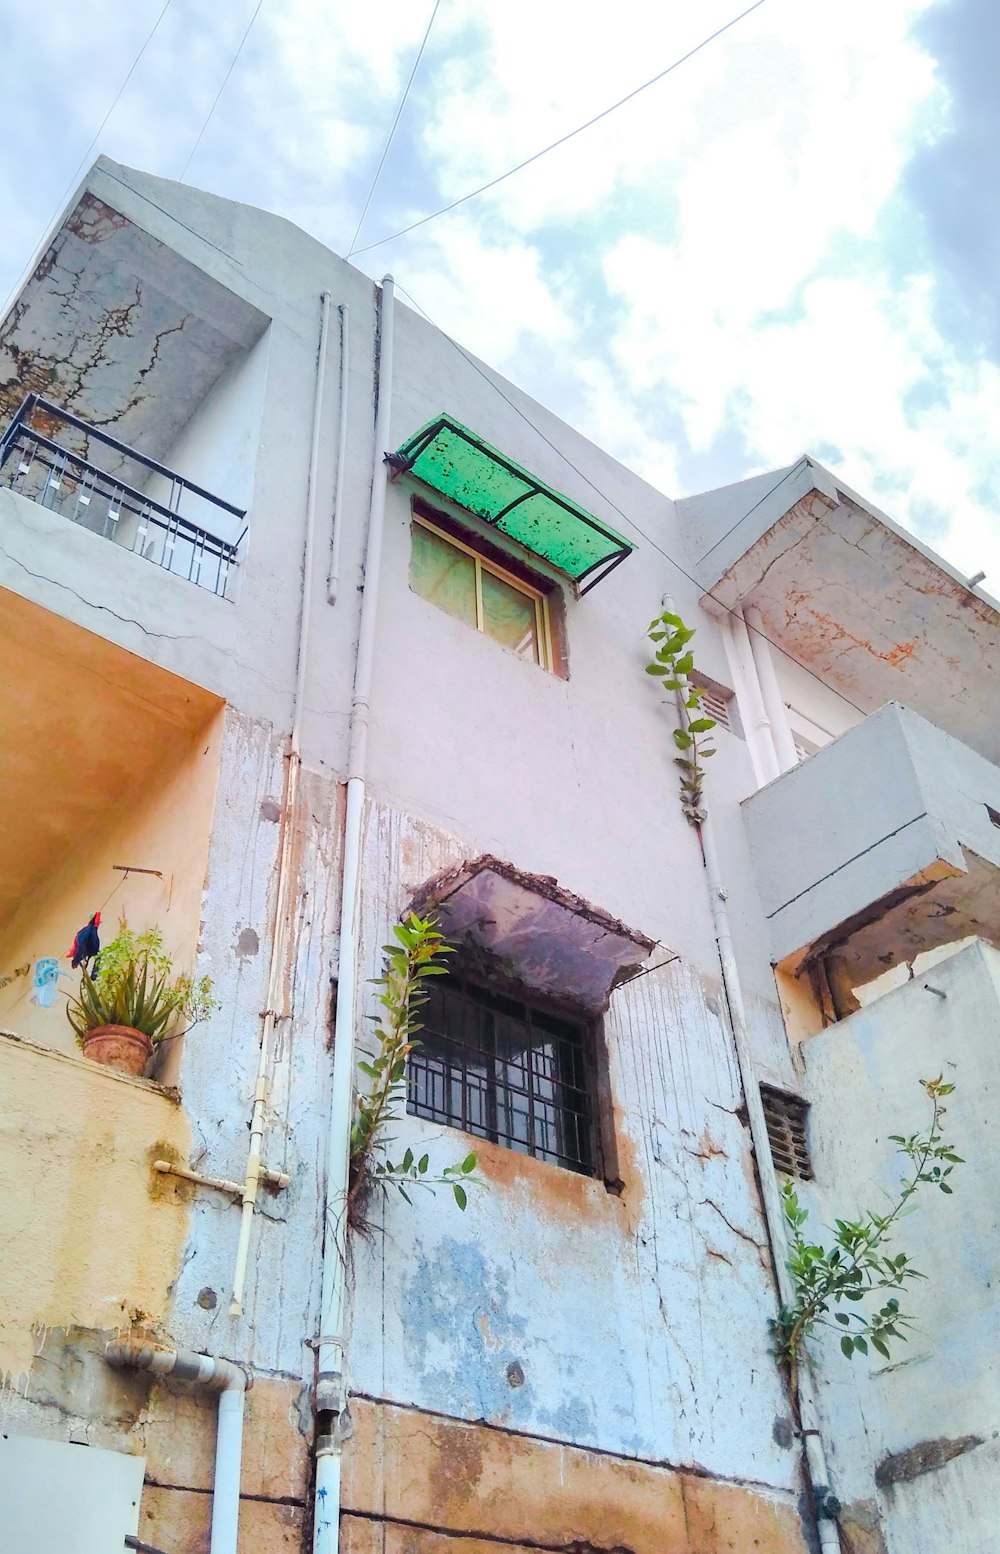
<point x="791" y="243"/>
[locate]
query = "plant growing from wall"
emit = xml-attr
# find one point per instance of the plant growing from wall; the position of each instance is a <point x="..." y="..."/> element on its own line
<point x="672" y="665"/>
<point x="859" y="1265"/>
<point x="418" y="953"/>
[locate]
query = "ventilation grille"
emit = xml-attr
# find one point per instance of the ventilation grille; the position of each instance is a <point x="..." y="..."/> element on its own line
<point x="786" y="1129"/>
<point x="715" y="700"/>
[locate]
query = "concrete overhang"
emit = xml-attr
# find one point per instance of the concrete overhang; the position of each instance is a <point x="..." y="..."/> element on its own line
<point x="845" y="591"/>
<point x="884" y="844"/>
<point x="120" y="329"/>
<point x="86" y="726"/>
<point x="549" y="940"/>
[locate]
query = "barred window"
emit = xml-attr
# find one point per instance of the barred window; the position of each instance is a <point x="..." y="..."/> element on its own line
<point x="505" y="1070"/>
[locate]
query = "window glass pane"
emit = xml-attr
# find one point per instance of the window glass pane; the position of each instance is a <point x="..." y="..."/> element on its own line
<point x="443" y="574"/>
<point x="509" y="616"/>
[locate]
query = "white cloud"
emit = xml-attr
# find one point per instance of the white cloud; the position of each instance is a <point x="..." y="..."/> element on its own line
<point x="727" y="257"/>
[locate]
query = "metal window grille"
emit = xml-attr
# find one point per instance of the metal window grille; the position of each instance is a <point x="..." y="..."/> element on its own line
<point x="785" y="1116"/>
<point x="501" y="1069"/>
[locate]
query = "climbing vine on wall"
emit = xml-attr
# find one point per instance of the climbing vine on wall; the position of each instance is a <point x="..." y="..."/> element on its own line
<point x="832" y="1284"/>
<point x="672" y="665"/>
<point x="418" y="953"/>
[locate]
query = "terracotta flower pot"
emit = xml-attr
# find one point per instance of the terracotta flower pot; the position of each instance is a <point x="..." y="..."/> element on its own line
<point x="118" y="1046"/>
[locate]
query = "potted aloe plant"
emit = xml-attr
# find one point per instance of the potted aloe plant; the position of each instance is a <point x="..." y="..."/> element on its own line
<point x="132" y="1000"/>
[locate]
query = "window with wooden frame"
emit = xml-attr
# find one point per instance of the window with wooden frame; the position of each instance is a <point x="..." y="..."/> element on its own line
<point x="507" y="1069"/>
<point x="472" y="585"/>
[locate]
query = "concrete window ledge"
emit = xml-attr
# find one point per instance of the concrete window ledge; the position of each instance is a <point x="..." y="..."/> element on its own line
<point x="10" y="1039"/>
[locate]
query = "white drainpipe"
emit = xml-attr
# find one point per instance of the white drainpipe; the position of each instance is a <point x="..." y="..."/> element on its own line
<point x="763" y="658"/>
<point x="333" y="576"/>
<point x="330" y="1396"/>
<point x="204" y="1370"/>
<point x="773" y="1213"/>
<point x="280" y="934"/>
<point x="774" y="1218"/>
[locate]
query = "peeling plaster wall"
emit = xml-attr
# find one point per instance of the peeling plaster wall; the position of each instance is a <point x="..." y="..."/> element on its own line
<point x="91" y="1237"/>
<point x="943" y="1385"/>
<point x="639" y="1322"/>
<point x="429" y="1486"/>
<point x="107" y="1243"/>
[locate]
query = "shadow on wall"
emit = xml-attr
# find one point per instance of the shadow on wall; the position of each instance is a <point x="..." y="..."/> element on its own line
<point x="110" y="765"/>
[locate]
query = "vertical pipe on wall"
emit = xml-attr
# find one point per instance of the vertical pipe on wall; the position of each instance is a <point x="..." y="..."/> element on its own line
<point x="774" y="1218"/>
<point x="333" y="576"/>
<point x="204" y="1370"/>
<point x="293" y="762"/>
<point x="330" y="1398"/>
<point x="781" y="732"/>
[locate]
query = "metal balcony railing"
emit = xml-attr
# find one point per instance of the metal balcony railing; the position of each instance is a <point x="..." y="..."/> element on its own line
<point x="34" y="462"/>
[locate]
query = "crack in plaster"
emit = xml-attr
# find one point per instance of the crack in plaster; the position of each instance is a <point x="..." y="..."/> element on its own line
<point x="692" y="1469"/>
<point x="575" y="1546"/>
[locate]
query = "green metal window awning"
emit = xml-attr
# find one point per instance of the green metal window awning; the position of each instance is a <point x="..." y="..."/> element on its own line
<point x="449" y="458"/>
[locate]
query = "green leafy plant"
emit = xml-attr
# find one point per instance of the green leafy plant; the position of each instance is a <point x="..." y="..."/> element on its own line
<point x="672" y="664"/>
<point x="135" y="986"/>
<point x="417" y="954"/>
<point x="859" y="1265"/>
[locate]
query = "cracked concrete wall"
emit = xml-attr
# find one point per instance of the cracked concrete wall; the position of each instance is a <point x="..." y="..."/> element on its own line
<point x="574" y="737"/>
<point x="634" y="1325"/>
<point x="639" y="1323"/>
<point x="417" y="1484"/>
<point x="93" y="1238"/>
<point x="104" y="1244"/>
<point x="942" y="1386"/>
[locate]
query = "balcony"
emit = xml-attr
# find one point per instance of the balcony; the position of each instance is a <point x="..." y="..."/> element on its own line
<point x="76" y="469"/>
<point x="884" y="844"/>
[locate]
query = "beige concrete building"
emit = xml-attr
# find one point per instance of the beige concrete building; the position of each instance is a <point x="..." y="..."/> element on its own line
<point x="267" y="690"/>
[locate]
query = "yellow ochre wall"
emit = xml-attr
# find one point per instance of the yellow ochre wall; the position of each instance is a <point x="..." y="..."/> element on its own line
<point x="164" y="824"/>
<point x="92" y="1236"/>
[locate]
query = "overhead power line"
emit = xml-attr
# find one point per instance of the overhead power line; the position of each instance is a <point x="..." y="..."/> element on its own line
<point x="571" y="134"/>
<point x="626" y="517"/>
<point x="225" y="82"/>
<point x="392" y="131"/>
<point x="85" y="159"/>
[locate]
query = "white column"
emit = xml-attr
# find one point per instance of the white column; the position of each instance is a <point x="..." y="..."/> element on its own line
<point x="753" y="714"/>
<point x="774" y="702"/>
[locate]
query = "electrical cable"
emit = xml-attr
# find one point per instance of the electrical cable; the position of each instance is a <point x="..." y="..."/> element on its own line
<point x="705" y="592"/>
<point x="151" y="34"/>
<point x="392" y="131"/>
<point x="222" y="88"/>
<point x="554" y="145"/>
<point x="789" y="472"/>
